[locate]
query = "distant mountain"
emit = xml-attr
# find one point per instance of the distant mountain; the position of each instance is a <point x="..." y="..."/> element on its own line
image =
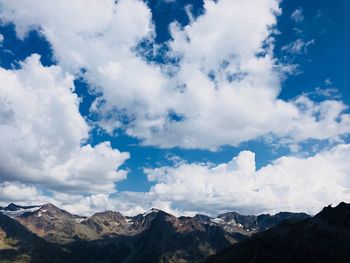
<point x="154" y="236"/>
<point x="255" y="223"/>
<point x="56" y="225"/>
<point x="322" y="238"/>
<point x="164" y="238"/>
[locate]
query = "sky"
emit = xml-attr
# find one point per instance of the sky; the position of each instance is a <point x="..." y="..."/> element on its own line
<point x="188" y="106"/>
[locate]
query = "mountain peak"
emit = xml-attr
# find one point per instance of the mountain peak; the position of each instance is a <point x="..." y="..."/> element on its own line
<point x="153" y="211"/>
<point x="49" y="206"/>
<point x="12" y="207"/>
<point x="52" y="210"/>
<point x="336" y="215"/>
<point x="202" y="218"/>
<point x="108" y="215"/>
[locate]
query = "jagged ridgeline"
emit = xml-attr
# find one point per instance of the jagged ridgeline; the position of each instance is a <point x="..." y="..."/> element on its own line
<point x="155" y="236"/>
<point x="323" y="238"/>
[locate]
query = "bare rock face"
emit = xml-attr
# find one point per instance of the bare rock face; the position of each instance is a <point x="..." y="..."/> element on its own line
<point x="55" y="225"/>
<point x="107" y="223"/>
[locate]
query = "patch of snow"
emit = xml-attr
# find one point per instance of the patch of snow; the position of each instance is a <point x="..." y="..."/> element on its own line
<point x="217" y="220"/>
<point x="129" y="221"/>
<point x="232" y="222"/>
<point x="150" y="212"/>
<point x="79" y="220"/>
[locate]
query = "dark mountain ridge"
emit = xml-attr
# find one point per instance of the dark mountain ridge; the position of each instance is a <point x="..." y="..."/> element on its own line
<point x="322" y="238"/>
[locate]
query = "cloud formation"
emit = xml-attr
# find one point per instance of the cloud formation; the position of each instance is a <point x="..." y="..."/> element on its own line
<point x="297" y="15"/>
<point x="219" y="85"/>
<point x="289" y="183"/>
<point x="42" y="134"/>
<point x="223" y="90"/>
<point x="299" y="46"/>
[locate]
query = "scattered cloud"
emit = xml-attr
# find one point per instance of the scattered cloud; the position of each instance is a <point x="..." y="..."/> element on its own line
<point x="298" y="31"/>
<point x="328" y="82"/>
<point x="297" y="15"/>
<point x="330" y="93"/>
<point x="299" y="46"/>
<point x="319" y="14"/>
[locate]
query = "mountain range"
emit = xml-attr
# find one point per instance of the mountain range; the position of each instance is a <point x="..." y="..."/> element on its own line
<point x="39" y="233"/>
<point x="322" y="238"/>
<point x="47" y="233"/>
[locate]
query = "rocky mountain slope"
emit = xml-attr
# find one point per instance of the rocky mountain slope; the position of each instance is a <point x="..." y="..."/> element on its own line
<point x="322" y="238"/>
<point x="59" y="226"/>
<point x="17" y="244"/>
<point x="154" y="236"/>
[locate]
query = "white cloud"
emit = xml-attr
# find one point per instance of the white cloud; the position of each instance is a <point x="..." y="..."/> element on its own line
<point x="297" y="15"/>
<point x="14" y="191"/>
<point x="224" y="90"/>
<point x="299" y="46"/>
<point x="42" y="134"/>
<point x="1" y="39"/>
<point x="289" y="183"/>
<point x="221" y="92"/>
<point x="328" y="92"/>
<point x="328" y="82"/>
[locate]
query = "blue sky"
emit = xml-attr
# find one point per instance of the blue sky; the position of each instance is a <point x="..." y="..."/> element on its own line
<point x="309" y="47"/>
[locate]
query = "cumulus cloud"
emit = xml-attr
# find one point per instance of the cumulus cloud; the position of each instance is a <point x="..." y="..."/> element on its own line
<point x="43" y="135"/>
<point x="287" y="184"/>
<point x="14" y="192"/>
<point x="225" y="91"/>
<point x="223" y="88"/>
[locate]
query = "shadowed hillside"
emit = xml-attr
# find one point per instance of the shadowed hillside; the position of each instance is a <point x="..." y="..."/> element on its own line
<point x="322" y="238"/>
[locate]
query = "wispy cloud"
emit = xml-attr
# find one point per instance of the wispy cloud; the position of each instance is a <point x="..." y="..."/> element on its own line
<point x="297" y="15"/>
<point x="299" y="46"/>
